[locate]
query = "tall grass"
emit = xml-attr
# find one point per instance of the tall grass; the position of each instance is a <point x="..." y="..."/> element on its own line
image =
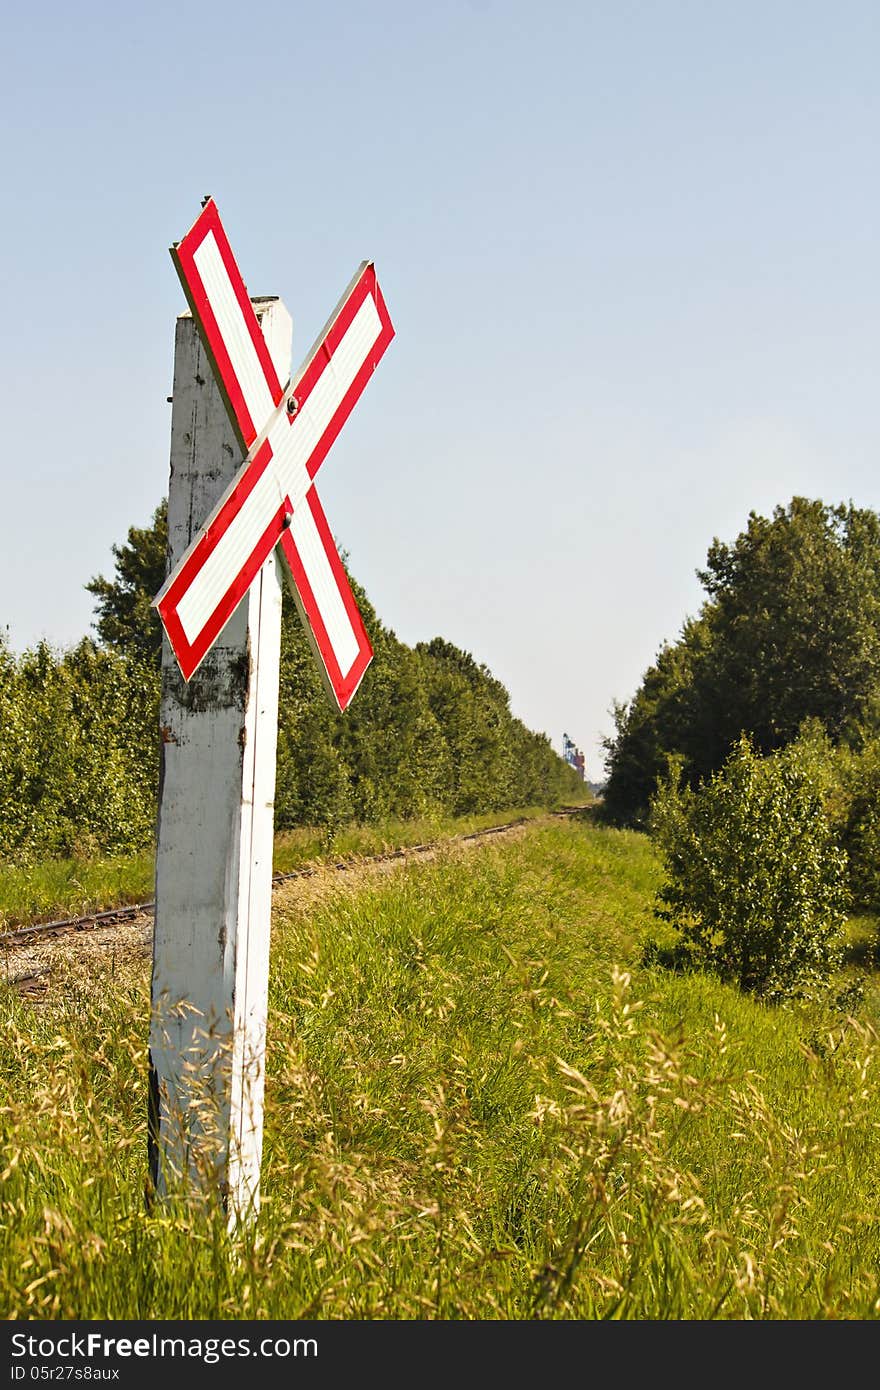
<point x="71" y="887"/>
<point x="479" y="1105"/>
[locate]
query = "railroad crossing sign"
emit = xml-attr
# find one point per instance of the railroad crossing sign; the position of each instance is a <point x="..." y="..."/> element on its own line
<point x="285" y="433"/>
<point x="221" y="610"/>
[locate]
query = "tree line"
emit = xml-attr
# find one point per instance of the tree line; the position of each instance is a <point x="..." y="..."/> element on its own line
<point x="789" y="631"/>
<point x="751" y="748"/>
<point x="430" y="732"/>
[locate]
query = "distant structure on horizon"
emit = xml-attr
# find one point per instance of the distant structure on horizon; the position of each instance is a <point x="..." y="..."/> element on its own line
<point x="574" y="757"/>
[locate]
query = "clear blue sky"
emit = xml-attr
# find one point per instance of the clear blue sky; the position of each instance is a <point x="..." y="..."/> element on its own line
<point x="630" y="251"/>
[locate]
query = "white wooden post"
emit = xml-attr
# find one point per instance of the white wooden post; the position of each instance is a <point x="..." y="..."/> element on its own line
<point x="215" y="832"/>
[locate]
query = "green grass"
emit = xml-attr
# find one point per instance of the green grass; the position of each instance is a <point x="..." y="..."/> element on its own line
<point x="55" y="888"/>
<point x="479" y="1104"/>
<point x="310" y="845"/>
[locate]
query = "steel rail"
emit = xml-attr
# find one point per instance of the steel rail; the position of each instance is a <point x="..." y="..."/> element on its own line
<point x="94" y="921"/>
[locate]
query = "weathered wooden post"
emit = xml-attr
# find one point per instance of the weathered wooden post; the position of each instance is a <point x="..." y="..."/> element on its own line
<point x="214" y="851"/>
<point x="244" y="453"/>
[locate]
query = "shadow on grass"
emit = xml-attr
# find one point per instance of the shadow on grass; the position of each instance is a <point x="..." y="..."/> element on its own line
<point x="864" y="952"/>
<point x="590" y="814"/>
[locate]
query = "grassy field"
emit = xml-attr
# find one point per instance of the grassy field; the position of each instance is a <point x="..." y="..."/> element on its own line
<point x="50" y="889"/>
<point x="480" y="1104"/>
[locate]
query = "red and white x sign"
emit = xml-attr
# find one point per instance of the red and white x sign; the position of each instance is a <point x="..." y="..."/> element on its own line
<point x="285" y="433"/>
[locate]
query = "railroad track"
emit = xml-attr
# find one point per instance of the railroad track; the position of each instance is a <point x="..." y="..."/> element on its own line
<point x="94" y="921"/>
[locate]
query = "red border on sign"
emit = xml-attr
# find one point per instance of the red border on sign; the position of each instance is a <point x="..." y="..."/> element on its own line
<point x="342" y="686"/>
<point x="190" y="656"/>
<point x="309" y="374"/>
<point x="183" y="256"/>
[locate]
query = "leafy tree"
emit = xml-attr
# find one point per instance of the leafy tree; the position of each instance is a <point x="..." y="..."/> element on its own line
<point x="790" y="630"/>
<point x="859" y="816"/>
<point x="755" y="885"/>
<point x="796" y="623"/>
<point x="472" y="709"/>
<point x="79" y="757"/>
<point x="126" y="617"/>
<point x="663" y="721"/>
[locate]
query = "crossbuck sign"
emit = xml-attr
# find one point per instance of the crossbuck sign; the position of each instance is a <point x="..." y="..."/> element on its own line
<point x="245" y="450"/>
<point x="285" y="433"/>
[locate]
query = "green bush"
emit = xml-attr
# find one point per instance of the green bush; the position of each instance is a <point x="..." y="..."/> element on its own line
<point x="79" y="753"/>
<point x="755" y="883"/>
<point x="860" y="829"/>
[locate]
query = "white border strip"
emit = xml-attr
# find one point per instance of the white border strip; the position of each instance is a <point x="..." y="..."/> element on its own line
<point x="322" y="581"/>
<point x="234" y="331"/>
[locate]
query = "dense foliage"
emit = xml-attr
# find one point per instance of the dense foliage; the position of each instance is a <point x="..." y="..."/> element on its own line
<point x="79" y="756"/>
<point x="431" y="730"/>
<point x="126" y="618"/>
<point x="790" y="630"/>
<point x="755" y="885"/>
